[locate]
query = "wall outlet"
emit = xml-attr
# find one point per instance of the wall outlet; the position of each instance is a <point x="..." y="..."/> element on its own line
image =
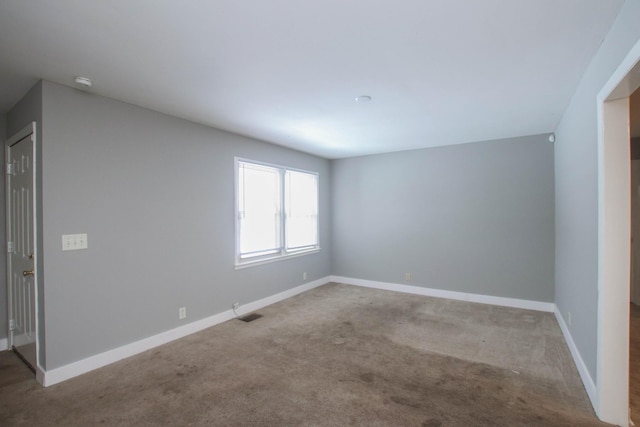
<point x="407" y="277"/>
<point x="182" y="312"/>
<point x="569" y="318"/>
<point x="236" y="305"/>
<point x="304" y="276"/>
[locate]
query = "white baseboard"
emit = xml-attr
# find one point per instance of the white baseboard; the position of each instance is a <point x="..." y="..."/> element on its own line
<point x="439" y="293"/>
<point x="587" y="381"/>
<point x="4" y="344"/>
<point x="40" y="374"/>
<point x="54" y="376"/>
<point x="253" y="306"/>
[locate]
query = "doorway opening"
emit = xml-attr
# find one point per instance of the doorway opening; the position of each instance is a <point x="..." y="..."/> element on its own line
<point x="634" y="322"/>
<point x="614" y="243"/>
<point x="20" y="197"/>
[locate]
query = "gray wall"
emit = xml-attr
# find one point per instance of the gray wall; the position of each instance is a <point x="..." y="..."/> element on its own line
<point x="27" y="110"/>
<point x="155" y="195"/>
<point x="472" y="218"/>
<point x="3" y="260"/>
<point x="576" y="183"/>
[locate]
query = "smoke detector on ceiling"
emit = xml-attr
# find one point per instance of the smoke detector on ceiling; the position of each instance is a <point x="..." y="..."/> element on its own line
<point x="83" y="82"/>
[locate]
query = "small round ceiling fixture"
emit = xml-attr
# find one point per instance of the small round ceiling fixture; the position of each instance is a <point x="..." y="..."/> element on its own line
<point x="83" y="82"/>
<point x="363" y="98"/>
<point x="552" y="138"/>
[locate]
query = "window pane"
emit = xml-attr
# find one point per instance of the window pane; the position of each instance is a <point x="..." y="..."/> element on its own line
<point x="259" y="205"/>
<point x="301" y="190"/>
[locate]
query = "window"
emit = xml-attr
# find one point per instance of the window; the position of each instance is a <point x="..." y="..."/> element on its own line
<point x="276" y="212"/>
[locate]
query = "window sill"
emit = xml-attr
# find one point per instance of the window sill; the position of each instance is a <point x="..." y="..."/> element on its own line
<point x="247" y="264"/>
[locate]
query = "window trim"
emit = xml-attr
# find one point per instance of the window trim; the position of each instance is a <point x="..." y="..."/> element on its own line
<point x="282" y="253"/>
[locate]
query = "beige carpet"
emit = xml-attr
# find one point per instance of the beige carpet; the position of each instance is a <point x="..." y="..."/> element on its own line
<point x="337" y="355"/>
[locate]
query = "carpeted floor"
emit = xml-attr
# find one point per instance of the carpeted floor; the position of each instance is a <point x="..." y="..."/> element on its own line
<point x="337" y="355"/>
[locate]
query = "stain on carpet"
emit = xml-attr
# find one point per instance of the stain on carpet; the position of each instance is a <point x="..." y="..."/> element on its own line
<point x="339" y="363"/>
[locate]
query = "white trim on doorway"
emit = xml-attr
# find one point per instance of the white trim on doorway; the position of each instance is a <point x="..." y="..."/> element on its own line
<point x="612" y="397"/>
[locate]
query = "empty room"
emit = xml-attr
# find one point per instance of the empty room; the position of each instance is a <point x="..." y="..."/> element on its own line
<point x="314" y="213"/>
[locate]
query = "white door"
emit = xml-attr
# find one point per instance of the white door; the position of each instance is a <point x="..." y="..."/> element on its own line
<point x="21" y="244"/>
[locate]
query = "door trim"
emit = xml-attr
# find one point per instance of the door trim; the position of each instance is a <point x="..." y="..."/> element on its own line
<point x="30" y="129"/>
<point x="612" y="376"/>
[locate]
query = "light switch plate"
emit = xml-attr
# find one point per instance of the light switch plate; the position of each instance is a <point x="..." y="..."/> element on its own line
<point x="74" y="242"/>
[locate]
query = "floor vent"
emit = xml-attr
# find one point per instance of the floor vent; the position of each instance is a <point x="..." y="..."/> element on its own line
<point x="250" y="317"/>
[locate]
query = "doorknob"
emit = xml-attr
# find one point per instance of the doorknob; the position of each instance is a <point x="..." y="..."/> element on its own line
<point x="27" y="273"/>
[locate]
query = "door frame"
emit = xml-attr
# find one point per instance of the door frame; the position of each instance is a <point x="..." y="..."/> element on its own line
<point x="30" y="129"/>
<point x="614" y="246"/>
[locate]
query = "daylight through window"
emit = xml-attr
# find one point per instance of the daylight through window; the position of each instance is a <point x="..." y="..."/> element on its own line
<point x="276" y="211"/>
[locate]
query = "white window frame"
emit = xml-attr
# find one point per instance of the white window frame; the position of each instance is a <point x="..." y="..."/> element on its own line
<point x="283" y="253"/>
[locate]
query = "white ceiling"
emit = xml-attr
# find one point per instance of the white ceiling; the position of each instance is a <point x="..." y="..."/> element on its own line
<point x="287" y="71"/>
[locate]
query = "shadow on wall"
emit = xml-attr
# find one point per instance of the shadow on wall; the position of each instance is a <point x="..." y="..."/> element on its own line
<point x="634" y="113"/>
